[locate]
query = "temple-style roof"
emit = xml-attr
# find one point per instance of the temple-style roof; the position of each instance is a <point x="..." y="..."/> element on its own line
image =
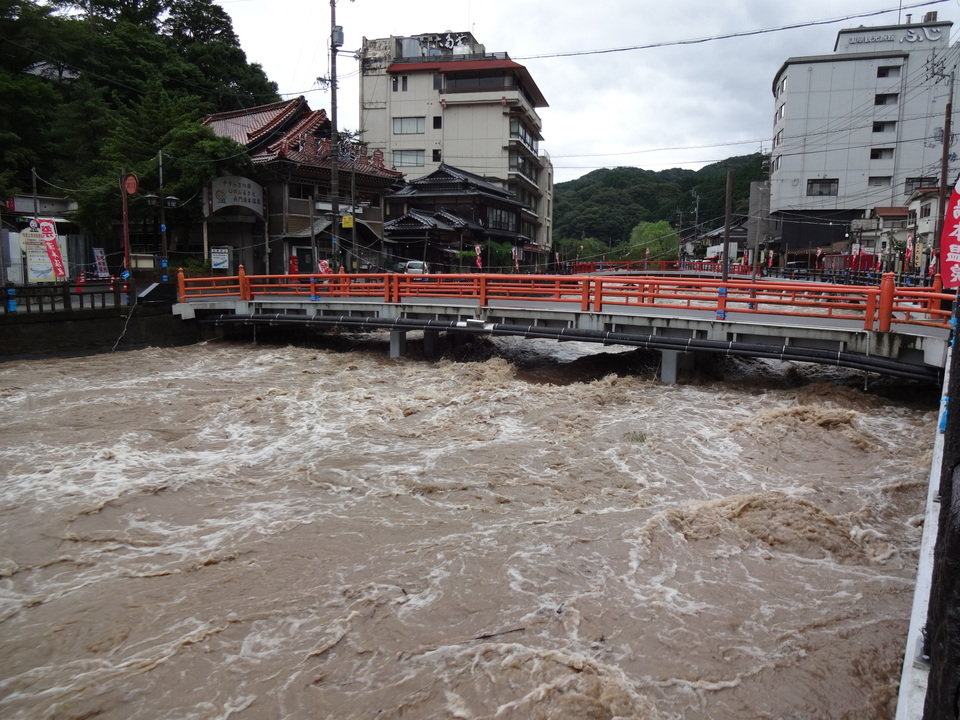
<point x="450" y="181"/>
<point x="289" y="131"/>
<point x="420" y="220"/>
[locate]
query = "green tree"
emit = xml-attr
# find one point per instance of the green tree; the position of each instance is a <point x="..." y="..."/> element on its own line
<point x="659" y="238"/>
<point x="587" y="249"/>
<point x="162" y="124"/>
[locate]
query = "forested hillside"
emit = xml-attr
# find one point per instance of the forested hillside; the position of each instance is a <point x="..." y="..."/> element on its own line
<point x="92" y="88"/>
<point x="608" y="204"/>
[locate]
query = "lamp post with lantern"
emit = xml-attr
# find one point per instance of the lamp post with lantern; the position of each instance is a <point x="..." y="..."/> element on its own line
<point x="163" y="201"/>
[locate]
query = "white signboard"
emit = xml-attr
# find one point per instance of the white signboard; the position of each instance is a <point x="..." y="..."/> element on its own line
<point x="233" y="191"/>
<point x="220" y="258"/>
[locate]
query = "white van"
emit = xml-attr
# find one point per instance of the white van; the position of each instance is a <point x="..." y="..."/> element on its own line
<point x="417" y="267"/>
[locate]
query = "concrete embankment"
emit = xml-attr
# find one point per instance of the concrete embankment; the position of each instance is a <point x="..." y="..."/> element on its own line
<point x="86" y="331"/>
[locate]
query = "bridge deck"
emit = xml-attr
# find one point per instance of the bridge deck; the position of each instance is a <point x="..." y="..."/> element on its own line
<point x="887" y="329"/>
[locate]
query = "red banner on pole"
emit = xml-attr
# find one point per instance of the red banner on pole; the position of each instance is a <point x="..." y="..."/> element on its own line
<point x="48" y="231"/>
<point x="950" y="241"/>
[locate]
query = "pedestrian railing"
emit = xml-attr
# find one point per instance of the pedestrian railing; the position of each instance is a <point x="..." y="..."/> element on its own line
<point x="65" y="296"/>
<point x="876" y="307"/>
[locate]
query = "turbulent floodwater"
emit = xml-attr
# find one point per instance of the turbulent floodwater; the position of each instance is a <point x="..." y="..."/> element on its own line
<point x="247" y="531"/>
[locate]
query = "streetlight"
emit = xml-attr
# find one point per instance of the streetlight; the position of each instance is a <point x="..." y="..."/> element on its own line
<point x="164" y="201"/>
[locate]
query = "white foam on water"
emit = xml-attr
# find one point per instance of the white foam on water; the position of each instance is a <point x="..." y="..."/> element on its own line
<point x="336" y="533"/>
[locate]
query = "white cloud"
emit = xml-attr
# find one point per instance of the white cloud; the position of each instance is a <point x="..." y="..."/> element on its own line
<point x="696" y="96"/>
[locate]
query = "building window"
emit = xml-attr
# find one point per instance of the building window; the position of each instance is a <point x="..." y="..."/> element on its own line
<point x="408" y="125"/>
<point x="886" y="99"/>
<point x="437" y="122"/>
<point x="498" y="219"/>
<point x="778" y="138"/>
<point x="926" y="210"/>
<point x="780" y="88"/>
<point x="519" y="131"/>
<point x="522" y="165"/>
<point x="884" y="126"/>
<point x="778" y="115"/>
<point x="912" y="184"/>
<point x="436" y="155"/>
<point x="438" y="81"/>
<point x="823" y="187"/>
<point x="881" y="153"/>
<point x="400" y="83"/>
<point x="300" y="191"/>
<point x="408" y="158"/>
<point x="888" y="71"/>
<point x="480" y="81"/>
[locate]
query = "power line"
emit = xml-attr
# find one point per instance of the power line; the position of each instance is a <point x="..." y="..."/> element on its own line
<point x="728" y="36"/>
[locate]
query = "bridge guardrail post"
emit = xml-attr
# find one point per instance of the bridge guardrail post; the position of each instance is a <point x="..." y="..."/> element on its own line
<point x="721" y="303"/>
<point x="887" y="289"/>
<point x="181" y="286"/>
<point x="483" y="291"/>
<point x="243" y="284"/>
<point x="598" y="295"/>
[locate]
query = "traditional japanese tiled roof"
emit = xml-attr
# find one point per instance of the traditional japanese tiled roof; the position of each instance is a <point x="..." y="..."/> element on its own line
<point x="251" y="125"/>
<point x="419" y="220"/>
<point x="289" y="131"/>
<point x="450" y="181"/>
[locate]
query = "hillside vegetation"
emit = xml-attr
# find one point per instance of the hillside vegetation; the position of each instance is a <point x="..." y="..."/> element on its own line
<point x="607" y="209"/>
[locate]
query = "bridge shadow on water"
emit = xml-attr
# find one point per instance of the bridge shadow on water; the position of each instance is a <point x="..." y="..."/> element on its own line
<point x="564" y="363"/>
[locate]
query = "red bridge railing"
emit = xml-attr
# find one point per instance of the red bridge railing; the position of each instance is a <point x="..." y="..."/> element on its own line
<point x="877" y="307"/>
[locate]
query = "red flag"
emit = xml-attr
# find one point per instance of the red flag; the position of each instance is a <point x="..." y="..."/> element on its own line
<point x="909" y="255"/>
<point x="950" y="241"/>
<point x="48" y="231"/>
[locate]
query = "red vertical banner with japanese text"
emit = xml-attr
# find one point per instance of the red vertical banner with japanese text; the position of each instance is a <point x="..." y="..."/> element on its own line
<point x="48" y="231"/>
<point x="950" y="241"/>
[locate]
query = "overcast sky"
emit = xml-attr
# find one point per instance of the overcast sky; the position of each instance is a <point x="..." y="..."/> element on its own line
<point x="677" y="105"/>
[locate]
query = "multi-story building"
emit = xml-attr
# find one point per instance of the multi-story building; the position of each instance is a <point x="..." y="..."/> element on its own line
<point x="858" y="129"/>
<point x="432" y="99"/>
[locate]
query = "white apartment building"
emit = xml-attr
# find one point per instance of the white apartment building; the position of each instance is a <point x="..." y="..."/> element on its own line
<point x="859" y="129"/>
<point x="441" y="98"/>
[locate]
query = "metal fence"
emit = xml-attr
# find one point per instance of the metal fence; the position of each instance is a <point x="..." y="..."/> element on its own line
<point x="66" y="296"/>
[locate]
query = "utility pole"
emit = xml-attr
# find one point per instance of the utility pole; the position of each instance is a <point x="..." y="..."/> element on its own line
<point x="336" y="40"/>
<point x="164" y="255"/>
<point x="725" y="255"/>
<point x="936" y="70"/>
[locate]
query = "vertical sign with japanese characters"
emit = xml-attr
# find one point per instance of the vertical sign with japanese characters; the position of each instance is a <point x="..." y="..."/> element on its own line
<point x="51" y="243"/>
<point x="41" y="247"/>
<point x="950" y="241"/>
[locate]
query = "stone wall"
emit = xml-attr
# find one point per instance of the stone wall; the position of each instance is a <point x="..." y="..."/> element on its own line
<point x="85" y="331"/>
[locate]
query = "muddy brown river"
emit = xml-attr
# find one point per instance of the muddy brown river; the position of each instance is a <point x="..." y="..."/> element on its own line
<point x="254" y="531"/>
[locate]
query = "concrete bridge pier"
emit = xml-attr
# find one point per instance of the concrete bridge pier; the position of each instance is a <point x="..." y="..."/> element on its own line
<point x="398" y="343"/>
<point x="430" y="338"/>
<point x="672" y="362"/>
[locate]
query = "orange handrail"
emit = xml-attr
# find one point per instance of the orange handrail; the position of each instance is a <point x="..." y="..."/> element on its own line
<point x="877" y="307"/>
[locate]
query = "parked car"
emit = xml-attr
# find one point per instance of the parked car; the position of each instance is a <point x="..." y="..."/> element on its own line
<point x="417" y="267"/>
<point x="400" y="266"/>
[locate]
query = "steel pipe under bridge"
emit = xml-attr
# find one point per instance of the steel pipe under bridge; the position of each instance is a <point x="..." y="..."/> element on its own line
<point x="899" y="331"/>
